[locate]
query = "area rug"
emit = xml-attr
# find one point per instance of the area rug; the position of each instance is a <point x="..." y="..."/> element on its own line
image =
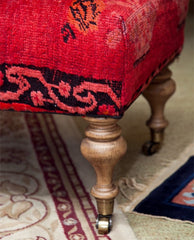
<point x="174" y="198"/>
<point x="41" y="194"/>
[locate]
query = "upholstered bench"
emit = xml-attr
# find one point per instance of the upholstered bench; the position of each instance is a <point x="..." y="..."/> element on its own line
<point x="91" y="58"/>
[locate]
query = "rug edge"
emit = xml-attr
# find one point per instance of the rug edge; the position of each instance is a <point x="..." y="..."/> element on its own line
<point x="163" y="217"/>
<point x="159" y="178"/>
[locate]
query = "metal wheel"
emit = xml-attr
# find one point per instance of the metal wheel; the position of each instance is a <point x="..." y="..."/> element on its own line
<point x="104" y="224"/>
<point x="149" y="148"/>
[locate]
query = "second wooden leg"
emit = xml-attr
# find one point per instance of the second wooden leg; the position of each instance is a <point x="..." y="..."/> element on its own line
<point x="158" y="92"/>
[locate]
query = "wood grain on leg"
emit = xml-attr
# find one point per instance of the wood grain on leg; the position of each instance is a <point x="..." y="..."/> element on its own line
<point x="103" y="147"/>
<point x="157" y="94"/>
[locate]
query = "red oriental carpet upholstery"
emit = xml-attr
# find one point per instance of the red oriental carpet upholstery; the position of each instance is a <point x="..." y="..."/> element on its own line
<point x="84" y="57"/>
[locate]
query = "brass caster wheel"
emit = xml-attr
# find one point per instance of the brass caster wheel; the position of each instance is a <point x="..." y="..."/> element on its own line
<point x="104" y="224"/>
<point x="149" y="148"/>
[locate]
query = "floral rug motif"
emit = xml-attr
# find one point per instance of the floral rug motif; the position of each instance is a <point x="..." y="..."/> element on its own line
<point x="41" y="194"/>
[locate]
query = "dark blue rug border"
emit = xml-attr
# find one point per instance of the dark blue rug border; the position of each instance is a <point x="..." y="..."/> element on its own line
<point x="158" y="202"/>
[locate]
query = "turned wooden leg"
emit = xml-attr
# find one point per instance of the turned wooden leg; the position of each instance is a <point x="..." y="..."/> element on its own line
<point x="103" y="147"/>
<point x="158" y="92"/>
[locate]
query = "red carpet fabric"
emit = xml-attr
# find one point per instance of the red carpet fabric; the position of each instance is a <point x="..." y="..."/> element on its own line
<point x="84" y="57"/>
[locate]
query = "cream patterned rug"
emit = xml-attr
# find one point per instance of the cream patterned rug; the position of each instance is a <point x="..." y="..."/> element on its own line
<point x="42" y="196"/>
